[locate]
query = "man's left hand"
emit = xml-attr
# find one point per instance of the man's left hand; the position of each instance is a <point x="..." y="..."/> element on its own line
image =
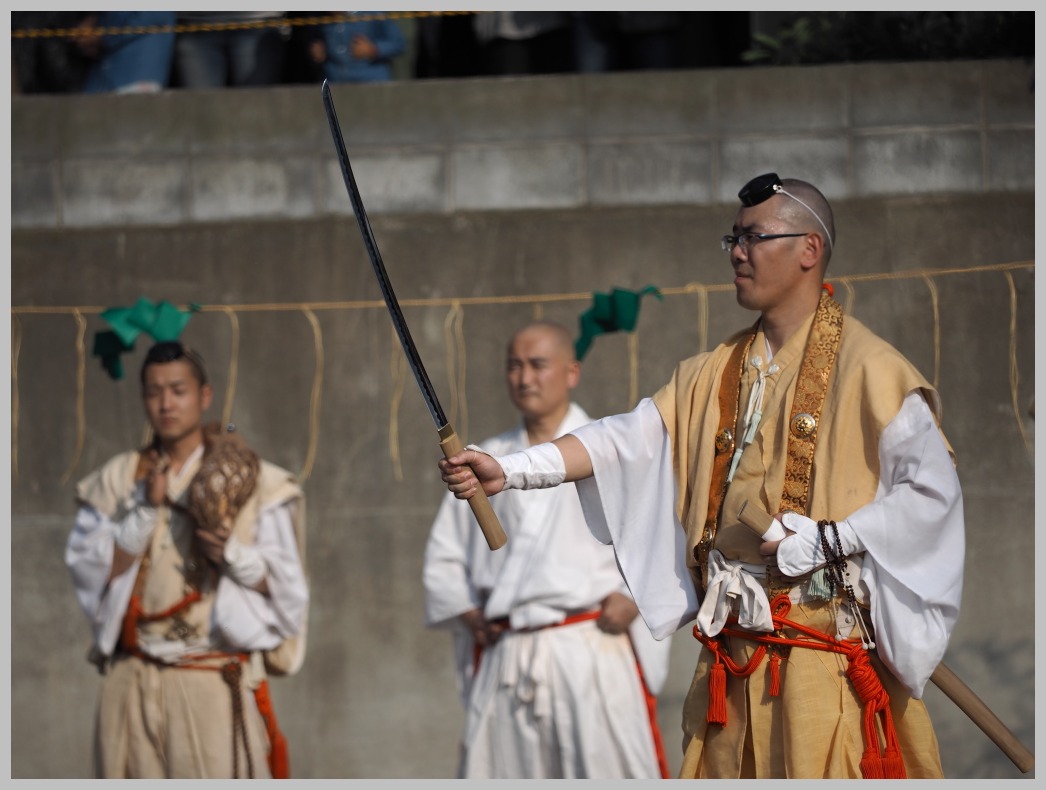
<point x="618" y="612"/>
<point x="212" y="544"/>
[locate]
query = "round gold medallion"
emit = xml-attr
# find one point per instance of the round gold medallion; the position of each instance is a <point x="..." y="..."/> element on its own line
<point x="803" y="425"/>
<point x="724" y="441"/>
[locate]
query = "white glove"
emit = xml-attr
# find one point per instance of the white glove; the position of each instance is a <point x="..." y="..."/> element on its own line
<point x="135" y="530"/>
<point x="540" y="466"/>
<point x="243" y="563"/>
<point x="801" y="553"/>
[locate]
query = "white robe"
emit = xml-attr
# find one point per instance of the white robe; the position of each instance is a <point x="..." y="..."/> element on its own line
<point x="534" y="688"/>
<point x="914" y="606"/>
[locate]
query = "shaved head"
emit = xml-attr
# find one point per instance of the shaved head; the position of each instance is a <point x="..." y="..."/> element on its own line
<point x="557" y="332"/>
<point x="800" y="216"/>
<point x="541" y="369"/>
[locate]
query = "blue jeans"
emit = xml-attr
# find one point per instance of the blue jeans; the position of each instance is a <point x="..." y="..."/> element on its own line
<point x="220" y="58"/>
<point x="140" y="62"/>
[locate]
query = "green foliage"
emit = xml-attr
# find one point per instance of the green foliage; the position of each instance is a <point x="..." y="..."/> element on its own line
<point x="858" y="36"/>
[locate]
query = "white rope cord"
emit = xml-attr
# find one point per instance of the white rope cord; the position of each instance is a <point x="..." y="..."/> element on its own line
<point x="932" y="286"/>
<point x="314" y="398"/>
<point x="234" y="356"/>
<point x="851" y="297"/>
<point x="1014" y="370"/>
<point x="454" y="345"/>
<point x="454" y="330"/>
<point x="16" y="348"/>
<point x="398" y="362"/>
<point x="81" y="370"/>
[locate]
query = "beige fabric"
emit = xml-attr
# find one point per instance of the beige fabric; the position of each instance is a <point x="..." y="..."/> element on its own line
<point x="107" y="489"/>
<point x="813" y="729"/>
<point x="157" y="722"/>
<point x="161" y="722"/>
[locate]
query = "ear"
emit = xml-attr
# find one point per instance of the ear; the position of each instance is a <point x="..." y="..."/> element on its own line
<point x="206" y="396"/>
<point x="573" y="374"/>
<point x="812" y="250"/>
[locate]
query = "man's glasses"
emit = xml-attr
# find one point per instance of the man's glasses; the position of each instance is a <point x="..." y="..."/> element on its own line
<point x="745" y="240"/>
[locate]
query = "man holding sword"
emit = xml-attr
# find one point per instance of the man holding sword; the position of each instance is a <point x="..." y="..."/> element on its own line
<point x="821" y="626"/>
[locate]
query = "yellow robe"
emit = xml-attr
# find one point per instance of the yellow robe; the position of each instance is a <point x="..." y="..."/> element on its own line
<point x="813" y="729"/>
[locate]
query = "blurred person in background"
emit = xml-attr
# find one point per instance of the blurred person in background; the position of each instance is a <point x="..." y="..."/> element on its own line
<point x="130" y="62"/>
<point x="558" y="673"/>
<point x="359" y="49"/>
<point x="187" y="558"/>
<point x="50" y="64"/>
<point x="525" y="42"/>
<point x="625" y="40"/>
<point x="230" y="57"/>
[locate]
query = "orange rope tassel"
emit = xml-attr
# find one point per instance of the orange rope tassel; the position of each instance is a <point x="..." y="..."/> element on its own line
<point x="877" y="762"/>
<point x="717" y="693"/>
<point x="775" y="675"/>
<point x="871" y="764"/>
<point x="875" y="765"/>
<point x="279" y="759"/>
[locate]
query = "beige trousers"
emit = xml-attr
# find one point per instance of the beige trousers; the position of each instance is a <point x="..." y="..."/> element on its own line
<point x="158" y="722"/>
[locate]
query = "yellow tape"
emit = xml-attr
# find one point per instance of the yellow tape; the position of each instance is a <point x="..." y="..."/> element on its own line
<point x="205" y="27"/>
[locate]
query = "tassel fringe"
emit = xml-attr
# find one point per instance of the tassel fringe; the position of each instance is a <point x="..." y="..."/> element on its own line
<point x="775" y="675"/>
<point x="818" y="587"/>
<point x="717" y="694"/>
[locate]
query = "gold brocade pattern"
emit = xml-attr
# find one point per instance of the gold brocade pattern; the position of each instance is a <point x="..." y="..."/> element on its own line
<point x="818" y="359"/>
<point x="729" y="405"/>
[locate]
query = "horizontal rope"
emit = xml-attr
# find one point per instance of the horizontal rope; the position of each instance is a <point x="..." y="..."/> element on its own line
<point x="449" y="301"/>
<point x="205" y="27"/>
<point x="455" y="343"/>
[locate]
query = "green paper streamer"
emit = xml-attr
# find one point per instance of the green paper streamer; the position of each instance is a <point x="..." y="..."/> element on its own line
<point x="161" y="320"/>
<point x="609" y="313"/>
<point x="109" y="346"/>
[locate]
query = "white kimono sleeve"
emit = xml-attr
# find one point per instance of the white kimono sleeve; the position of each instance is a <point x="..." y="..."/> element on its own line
<point x="630" y="501"/>
<point x="246" y="618"/>
<point x="89" y="556"/>
<point x="449" y="587"/>
<point x="914" y="538"/>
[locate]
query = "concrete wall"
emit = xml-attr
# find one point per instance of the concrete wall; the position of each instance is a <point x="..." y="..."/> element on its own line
<point x="493" y="201"/>
<point x="445" y="147"/>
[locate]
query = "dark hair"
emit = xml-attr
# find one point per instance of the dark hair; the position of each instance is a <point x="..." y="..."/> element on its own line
<point x="171" y="351"/>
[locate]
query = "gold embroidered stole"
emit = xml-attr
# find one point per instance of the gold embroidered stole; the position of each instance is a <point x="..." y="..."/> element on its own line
<point x="821" y="348"/>
<point x="729" y="395"/>
<point x="814" y="373"/>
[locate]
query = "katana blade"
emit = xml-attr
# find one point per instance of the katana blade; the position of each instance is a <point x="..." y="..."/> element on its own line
<point x="449" y="441"/>
<point x="398" y="321"/>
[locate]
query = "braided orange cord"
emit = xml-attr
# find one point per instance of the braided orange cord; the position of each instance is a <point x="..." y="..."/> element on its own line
<point x="877" y="762"/>
<point x="717" y="679"/>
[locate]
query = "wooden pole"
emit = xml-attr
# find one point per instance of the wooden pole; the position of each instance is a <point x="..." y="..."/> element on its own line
<point x="981" y="715"/>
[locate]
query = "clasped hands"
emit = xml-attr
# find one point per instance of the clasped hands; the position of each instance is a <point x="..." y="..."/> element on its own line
<point x="617" y="611"/>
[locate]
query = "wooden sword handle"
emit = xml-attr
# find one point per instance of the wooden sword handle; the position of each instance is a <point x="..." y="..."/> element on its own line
<point x="480" y="504"/>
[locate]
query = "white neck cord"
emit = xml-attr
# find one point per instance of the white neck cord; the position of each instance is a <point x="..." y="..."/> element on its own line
<point x="754" y="412"/>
